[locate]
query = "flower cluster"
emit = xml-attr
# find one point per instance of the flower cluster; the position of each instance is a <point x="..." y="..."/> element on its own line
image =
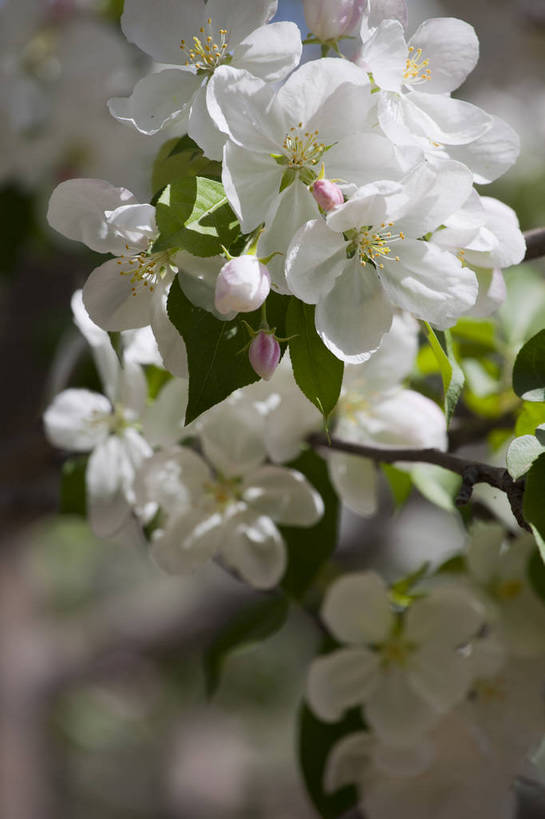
<point x="328" y="206"/>
<point x="448" y="675"/>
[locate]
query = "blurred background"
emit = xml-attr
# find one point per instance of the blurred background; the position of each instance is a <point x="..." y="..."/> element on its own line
<point x="104" y="709"/>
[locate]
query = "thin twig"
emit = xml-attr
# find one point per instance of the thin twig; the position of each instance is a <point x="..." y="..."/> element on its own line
<point x="535" y="244"/>
<point x="472" y="472"/>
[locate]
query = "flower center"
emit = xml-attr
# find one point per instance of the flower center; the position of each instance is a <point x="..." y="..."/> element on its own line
<point x="488" y="690"/>
<point x="508" y="589"/>
<point x="209" y="50"/>
<point x="374" y="245"/>
<point x="144" y="269"/>
<point x="224" y="491"/>
<point x="395" y="652"/>
<point x="302" y="148"/>
<point x="416" y="69"/>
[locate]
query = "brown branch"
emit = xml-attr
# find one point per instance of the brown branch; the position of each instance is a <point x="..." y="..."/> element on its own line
<point x="472" y="472"/>
<point x="535" y="244"/>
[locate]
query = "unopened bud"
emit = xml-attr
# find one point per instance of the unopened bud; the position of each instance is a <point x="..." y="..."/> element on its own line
<point x="264" y="354"/>
<point x="327" y="194"/>
<point x="242" y="285"/>
<point x="331" y="19"/>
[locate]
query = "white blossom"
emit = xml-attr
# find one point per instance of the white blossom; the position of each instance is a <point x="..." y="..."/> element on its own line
<point x="367" y="258"/>
<point x="198" y="40"/>
<point x="406" y="670"/>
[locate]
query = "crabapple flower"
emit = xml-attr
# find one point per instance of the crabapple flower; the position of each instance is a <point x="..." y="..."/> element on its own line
<point x="225" y="504"/>
<point x="279" y="140"/>
<point x="414" y="107"/>
<point x="374" y="409"/>
<point x="242" y="285"/>
<point x="327" y="194"/>
<point x="129" y="291"/>
<point x="406" y="670"/>
<point x="196" y="40"/>
<point x="264" y="354"/>
<point x="447" y="776"/>
<point x="331" y="19"/>
<point x="118" y="429"/>
<point x="498" y="570"/>
<point x="485" y="233"/>
<point x="367" y="258"/>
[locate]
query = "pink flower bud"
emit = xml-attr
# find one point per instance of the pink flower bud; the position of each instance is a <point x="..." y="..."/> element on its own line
<point x="242" y="285"/>
<point x="264" y="354"/>
<point x="327" y="194"/>
<point x="331" y="19"/>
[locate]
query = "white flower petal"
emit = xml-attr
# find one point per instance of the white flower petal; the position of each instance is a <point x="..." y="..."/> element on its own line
<point x="315" y="258"/>
<point x="158" y="28"/>
<point x="270" y="52"/>
<point x="77" y="210"/>
<point x="77" y="420"/>
<point x="169" y="341"/>
<point x="429" y="283"/>
<point x="355" y="482"/>
<point x="357" y="157"/>
<point x="106" y="359"/>
<point x="134" y="225"/>
<point x="392" y="362"/>
<point x="440" y="675"/>
<point x="452" y="48"/>
<point x="232" y="439"/>
<point x="202" y="128"/>
<point x="250" y="201"/>
<point x="385" y="55"/>
<point x="492" y="293"/>
<point x="340" y="680"/>
<point x="490" y="155"/>
<point x="328" y="95"/>
<point x="156" y="100"/>
<point x="347" y="762"/>
<point x="238" y="102"/>
<point x="353" y="317"/>
<point x="108" y="298"/>
<point x="396" y="711"/>
<point x="451" y="121"/>
<point x="240" y="17"/>
<point x="175" y="479"/>
<point x="357" y="609"/>
<point x="190" y="540"/>
<point x="254" y="547"/>
<point x="291" y="210"/>
<point x="163" y="422"/>
<point x="284" y="495"/>
<point x="107" y="506"/>
<point x="449" y="616"/>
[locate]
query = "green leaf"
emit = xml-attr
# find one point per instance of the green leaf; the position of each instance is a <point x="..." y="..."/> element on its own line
<point x="529" y="369"/>
<point x="217" y="362"/>
<point x="73" y="493"/>
<point x="530" y="417"/>
<point x="194" y="215"/>
<point x="438" y="485"/>
<point x="533" y="507"/>
<point x="310" y="548"/>
<point x="400" y="483"/>
<point x="454" y="565"/>
<point x="522" y="453"/>
<point x="318" y="373"/>
<point x="405" y="585"/>
<point x="252" y="625"/>
<point x="179" y="158"/>
<point x="316" y="740"/>
<point x="451" y="372"/>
